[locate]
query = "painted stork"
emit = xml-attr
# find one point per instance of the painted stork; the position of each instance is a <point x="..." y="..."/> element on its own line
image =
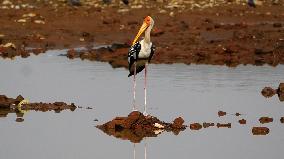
<point x="139" y="55"/>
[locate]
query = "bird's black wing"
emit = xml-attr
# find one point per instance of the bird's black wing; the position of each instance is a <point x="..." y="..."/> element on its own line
<point x="153" y="48"/>
<point x="133" y="54"/>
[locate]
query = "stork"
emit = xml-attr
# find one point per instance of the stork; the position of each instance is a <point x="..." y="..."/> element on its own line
<point x="139" y="55"/>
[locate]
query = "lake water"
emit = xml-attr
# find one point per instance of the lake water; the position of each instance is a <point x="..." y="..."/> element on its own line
<point x="195" y="92"/>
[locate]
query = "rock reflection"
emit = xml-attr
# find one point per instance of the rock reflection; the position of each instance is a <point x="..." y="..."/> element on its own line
<point x="135" y="127"/>
<point x="15" y="106"/>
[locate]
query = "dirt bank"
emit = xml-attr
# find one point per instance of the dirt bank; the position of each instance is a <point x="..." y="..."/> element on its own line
<point x="202" y="32"/>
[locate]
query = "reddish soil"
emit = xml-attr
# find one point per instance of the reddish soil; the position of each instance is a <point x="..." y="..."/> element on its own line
<point x="136" y="126"/>
<point x="227" y="34"/>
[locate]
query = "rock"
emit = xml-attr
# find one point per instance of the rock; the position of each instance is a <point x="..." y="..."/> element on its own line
<point x="228" y="125"/>
<point x="71" y="53"/>
<point x="19" y="98"/>
<point x="178" y="123"/>
<point x="19" y="120"/>
<point x="136" y="126"/>
<point x="21" y="20"/>
<point x="260" y="130"/>
<point x="195" y="126"/>
<point x="280" y="89"/>
<point x="221" y="113"/>
<point x="264" y="120"/>
<point x="238" y="114"/>
<point x="282" y="119"/>
<point x="39" y="21"/>
<point x="206" y="125"/>
<point x="268" y="92"/>
<point x="242" y="121"/>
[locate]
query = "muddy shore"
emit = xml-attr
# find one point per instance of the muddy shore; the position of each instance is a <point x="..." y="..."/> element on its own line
<point x="20" y="106"/>
<point x="223" y="33"/>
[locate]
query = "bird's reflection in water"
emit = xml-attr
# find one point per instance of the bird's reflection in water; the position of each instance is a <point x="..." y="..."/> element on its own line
<point x="145" y="149"/>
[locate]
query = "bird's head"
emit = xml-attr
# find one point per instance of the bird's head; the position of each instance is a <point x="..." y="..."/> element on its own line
<point x="148" y="22"/>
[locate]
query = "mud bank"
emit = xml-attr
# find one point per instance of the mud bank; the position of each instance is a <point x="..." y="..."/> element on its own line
<point x="220" y="33"/>
<point x="136" y="126"/>
<point x="269" y="92"/>
<point x="19" y="106"/>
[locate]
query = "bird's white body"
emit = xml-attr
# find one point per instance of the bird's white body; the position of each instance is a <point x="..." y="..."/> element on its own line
<point x="145" y="49"/>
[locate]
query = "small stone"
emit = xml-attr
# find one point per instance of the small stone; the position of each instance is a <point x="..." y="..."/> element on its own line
<point x="22" y="21"/>
<point x="268" y="92"/>
<point x="264" y="120"/>
<point x="177" y="123"/>
<point x="260" y="130"/>
<point x="39" y="21"/>
<point x="282" y="119"/>
<point x="206" y="125"/>
<point x="221" y="113"/>
<point x="228" y="125"/>
<point x="242" y="121"/>
<point x="195" y="126"/>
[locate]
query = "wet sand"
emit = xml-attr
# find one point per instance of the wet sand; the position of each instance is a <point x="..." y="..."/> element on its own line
<point x="222" y="33"/>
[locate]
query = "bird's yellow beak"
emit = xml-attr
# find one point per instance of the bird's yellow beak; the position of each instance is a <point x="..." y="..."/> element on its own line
<point x="141" y="30"/>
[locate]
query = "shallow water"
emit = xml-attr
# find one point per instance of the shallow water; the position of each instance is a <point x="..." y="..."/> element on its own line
<point x="195" y="92"/>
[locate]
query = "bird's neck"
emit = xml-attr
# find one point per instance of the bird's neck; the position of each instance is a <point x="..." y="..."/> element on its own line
<point x="147" y="35"/>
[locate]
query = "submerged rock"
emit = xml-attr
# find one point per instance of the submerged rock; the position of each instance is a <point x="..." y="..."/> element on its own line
<point x="136" y="126"/>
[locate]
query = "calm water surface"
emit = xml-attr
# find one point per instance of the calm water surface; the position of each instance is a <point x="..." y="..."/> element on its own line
<point x="195" y="92"/>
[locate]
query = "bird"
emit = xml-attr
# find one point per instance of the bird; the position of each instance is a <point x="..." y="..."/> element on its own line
<point x="139" y="55"/>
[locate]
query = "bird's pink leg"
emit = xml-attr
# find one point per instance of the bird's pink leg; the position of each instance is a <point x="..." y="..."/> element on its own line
<point x="134" y="88"/>
<point x="145" y="90"/>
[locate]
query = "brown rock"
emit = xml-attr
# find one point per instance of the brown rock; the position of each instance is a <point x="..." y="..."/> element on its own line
<point x="132" y="118"/>
<point x="206" y="125"/>
<point x="268" y="92"/>
<point x="71" y="53"/>
<point x="282" y="119"/>
<point x="221" y="113"/>
<point x="260" y="130"/>
<point x="177" y="123"/>
<point x="19" y="120"/>
<point x="263" y="120"/>
<point x="242" y="121"/>
<point x="195" y="126"/>
<point x="281" y="88"/>
<point x="228" y="125"/>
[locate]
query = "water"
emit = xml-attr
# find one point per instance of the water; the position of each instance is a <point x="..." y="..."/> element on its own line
<point x="195" y="92"/>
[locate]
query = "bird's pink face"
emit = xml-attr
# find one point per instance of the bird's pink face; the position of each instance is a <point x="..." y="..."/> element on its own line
<point x="146" y="23"/>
